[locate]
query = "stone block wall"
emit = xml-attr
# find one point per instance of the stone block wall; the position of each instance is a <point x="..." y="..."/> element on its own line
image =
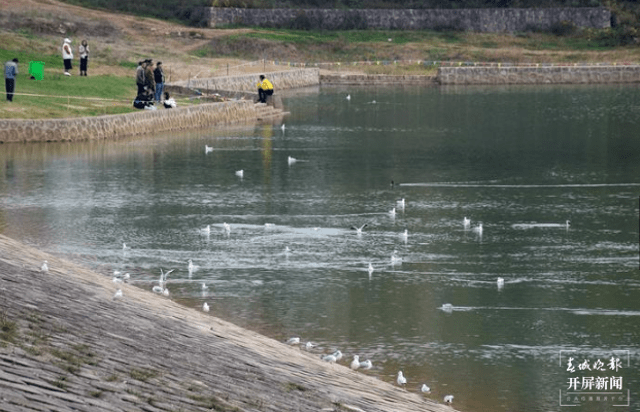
<point x="539" y="75"/>
<point x="289" y="79"/>
<point x="478" y="20"/>
<point x="114" y="126"/>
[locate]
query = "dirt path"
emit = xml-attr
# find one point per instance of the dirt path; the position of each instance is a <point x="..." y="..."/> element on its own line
<point x="72" y="346"/>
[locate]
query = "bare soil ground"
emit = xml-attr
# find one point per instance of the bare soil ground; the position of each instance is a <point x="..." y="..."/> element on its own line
<point x="66" y="344"/>
<point x="115" y="38"/>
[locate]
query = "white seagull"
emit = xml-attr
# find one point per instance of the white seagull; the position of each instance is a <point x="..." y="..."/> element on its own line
<point x="366" y="365"/>
<point x="293" y="341"/>
<point x="45" y="266"/>
<point x="405" y="235"/>
<point x="370" y="269"/>
<point x="207" y="149"/>
<point x="359" y="229"/>
<point x="291" y="160"/>
<point x="125" y="247"/>
<point x="478" y="229"/>
<point x="283" y="127"/>
<point x="328" y="358"/>
<point x="226" y="227"/>
<point x="309" y="345"/>
<point x="448" y="399"/>
<point x="337" y="354"/>
<point x="206" y="230"/>
<point x="401" y="203"/>
<point x="240" y="173"/>
<point x="401" y="379"/>
<point x="395" y="259"/>
<point x="348" y="97"/>
<point x="355" y="363"/>
<point x="118" y="294"/>
<point x="466" y="222"/>
<point x="425" y="388"/>
<point x="191" y="267"/>
<point x="392" y="212"/>
<point x="205" y="307"/>
<point x="500" y="283"/>
<point x="165" y="292"/>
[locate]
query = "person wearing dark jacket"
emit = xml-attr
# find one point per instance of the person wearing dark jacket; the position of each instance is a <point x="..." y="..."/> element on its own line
<point x="158" y="75"/>
<point x="10" y="73"/>
<point x="149" y="81"/>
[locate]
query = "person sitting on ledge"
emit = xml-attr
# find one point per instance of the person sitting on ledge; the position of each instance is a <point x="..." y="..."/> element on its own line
<point x="169" y="103"/>
<point x="265" y="88"/>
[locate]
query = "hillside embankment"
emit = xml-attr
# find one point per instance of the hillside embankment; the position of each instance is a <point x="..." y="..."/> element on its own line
<point x="66" y="344"/>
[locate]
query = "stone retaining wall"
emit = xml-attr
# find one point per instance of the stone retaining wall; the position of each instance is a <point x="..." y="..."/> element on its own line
<point x="539" y="75"/>
<point x="377" y="79"/>
<point x="478" y="20"/>
<point x="289" y="79"/>
<point x="113" y="126"/>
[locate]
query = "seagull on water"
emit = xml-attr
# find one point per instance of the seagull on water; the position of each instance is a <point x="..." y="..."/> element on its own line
<point x="240" y="173"/>
<point x="466" y="222"/>
<point x="370" y="269"/>
<point x="359" y="229"/>
<point x="205" y="307"/>
<point x="206" y="230"/>
<point x="226" y="227"/>
<point x="204" y="286"/>
<point x="401" y="203"/>
<point x="366" y="365"/>
<point x="478" y="229"/>
<point x="447" y="308"/>
<point x="309" y="345"/>
<point x="293" y="341"/>
<point x="191" y="267"/>
<point x="392" y="212"/>
<point x="395" y="259"/>
<point x="337" y="354"/>
<point x="500" y="283"/>
<point x="207" y="149"/>
<point x="45" y="266"/>
<point x="355" y="363"/>
<point x="283" y="127"/>
<point x="401" y="379"/>
<point x="425" y="388"/>
<point x="348" y="97"/>
<point x="405" y="235"/>
<point x="125" y="247"/>
<point x="291" y="160"/>
<point x="448" y="399"/>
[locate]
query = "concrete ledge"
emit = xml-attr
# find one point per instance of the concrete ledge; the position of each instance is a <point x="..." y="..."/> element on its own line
<point x="113" y="126"/>
<point x="539" y="75"/>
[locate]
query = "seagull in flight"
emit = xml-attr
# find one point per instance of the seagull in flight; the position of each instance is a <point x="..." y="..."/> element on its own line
<point x="359" y="229"/>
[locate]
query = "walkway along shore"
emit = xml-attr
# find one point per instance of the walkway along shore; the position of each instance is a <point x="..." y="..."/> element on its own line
<point x="66" y="344"/>
<point x="238" y="111"/>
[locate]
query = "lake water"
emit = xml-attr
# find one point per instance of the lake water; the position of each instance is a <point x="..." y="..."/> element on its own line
<point x="520" y="160"/>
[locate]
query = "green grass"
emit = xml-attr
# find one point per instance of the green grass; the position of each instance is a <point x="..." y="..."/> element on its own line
<point x="8" y="330"/>
<point x="143" y="375"/>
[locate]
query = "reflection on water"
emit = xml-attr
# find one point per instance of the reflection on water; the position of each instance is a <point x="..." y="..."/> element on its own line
<point x="520" y="161"/>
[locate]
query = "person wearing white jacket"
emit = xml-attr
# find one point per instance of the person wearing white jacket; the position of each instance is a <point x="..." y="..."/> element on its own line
<point x="67" y="56"/>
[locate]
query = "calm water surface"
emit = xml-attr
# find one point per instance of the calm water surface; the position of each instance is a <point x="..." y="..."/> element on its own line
<point x="521" y="161"/>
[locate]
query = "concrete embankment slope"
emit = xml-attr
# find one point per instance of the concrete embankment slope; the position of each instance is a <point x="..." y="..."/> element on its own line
<point x="66" y="344"/>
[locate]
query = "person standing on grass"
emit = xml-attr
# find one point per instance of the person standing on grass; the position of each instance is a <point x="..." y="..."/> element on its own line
<point x="83" y="51"/>
<point x="265" y="88"/>
<point x="10" y="73"/>
<point x="149" y="81"/>
<point x="158" y="75"/>
<point x="67" y="56"/>
<point x="140" y="77"/>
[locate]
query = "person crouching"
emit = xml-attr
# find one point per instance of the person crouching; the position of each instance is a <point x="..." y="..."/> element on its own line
<point x="265" y="89"/>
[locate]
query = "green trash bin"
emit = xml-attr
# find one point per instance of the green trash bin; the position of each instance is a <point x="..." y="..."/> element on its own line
<point x="36" y="69"/>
